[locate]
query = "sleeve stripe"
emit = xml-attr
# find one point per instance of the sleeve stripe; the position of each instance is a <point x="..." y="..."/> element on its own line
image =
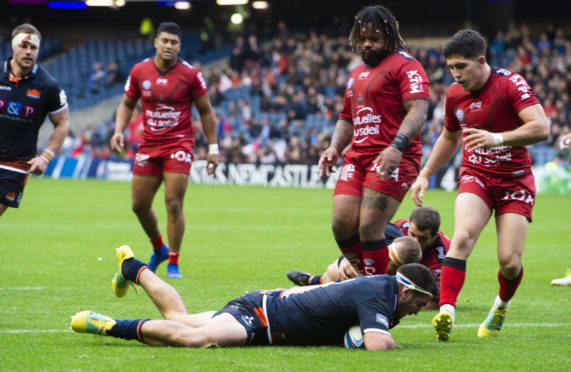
<point x="378" y="330"/>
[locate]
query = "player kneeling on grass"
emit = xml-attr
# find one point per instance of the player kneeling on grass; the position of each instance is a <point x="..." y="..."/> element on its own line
<point x="319" y="315"/>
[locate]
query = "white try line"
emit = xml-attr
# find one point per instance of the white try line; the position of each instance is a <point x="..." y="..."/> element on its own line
<point x="470" y="325"/>
<point x="21" y="288"/>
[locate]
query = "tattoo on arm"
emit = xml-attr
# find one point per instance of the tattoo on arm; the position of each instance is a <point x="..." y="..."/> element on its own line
<point x="343" y="135"/>
<point x="412" y="123"/>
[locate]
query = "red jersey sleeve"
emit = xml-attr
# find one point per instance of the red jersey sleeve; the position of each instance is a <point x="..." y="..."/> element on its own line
<point x="412" y="80"/>
<point x="198" y="86"/>
<point x="450" y="120"/>
<point x="519" y="92"/>
<point x="131" y="87"/>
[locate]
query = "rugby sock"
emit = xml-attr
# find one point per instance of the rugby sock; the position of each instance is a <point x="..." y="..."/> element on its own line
<point x="352" y="250"/>
<point x="451" y="280"/>
<point x="375" y="257"/>
<point x="127" y="329"/>
<point x="132" y="268"/>
<point x="313" y="280"/>
<point x="508" y="287"/>
<point x="173" y="258"/>
<point x="157" y="242"/>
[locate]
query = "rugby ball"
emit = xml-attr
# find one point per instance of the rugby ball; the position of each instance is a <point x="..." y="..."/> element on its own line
<point x="354" y="338"/>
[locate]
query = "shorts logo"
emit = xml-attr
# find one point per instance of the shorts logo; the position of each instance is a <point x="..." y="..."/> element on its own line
<point x="519" y="195"/>
<point x="141" y="159"/>
<point x="472" y="179"/>
<point x="347" y="172"/>
<point x="182" y="156"/>
<point x="11" y="196"/>
<point x="460" y="115"/>
<point x="248" y="319"/>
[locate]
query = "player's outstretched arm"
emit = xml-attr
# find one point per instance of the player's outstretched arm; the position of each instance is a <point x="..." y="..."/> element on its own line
<point x="378" y="341"/>
<point x="444" y="148"/>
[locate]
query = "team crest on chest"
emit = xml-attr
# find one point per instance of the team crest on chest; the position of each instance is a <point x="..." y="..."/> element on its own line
<point x="460" y="115"/>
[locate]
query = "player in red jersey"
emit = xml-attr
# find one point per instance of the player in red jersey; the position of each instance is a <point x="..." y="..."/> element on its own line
<point x="386" y="102"/>
<point x="167" y="88"/>
<point x="28" y="93"/>
<point x="496" y="114"/>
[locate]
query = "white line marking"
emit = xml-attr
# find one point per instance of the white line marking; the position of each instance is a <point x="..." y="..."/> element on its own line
<point x="21" y="288"/>
<point x="35" y="330"/>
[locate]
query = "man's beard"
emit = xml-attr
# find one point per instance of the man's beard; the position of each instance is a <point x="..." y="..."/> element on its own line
<point x="373" y="58"/>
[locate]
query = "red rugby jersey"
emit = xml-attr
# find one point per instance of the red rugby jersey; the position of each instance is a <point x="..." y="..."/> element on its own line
<point x="166" y="97"/>
<point x="434" y="256"/>
<point x="495" y="109"/>
<point x="374" y="101"/>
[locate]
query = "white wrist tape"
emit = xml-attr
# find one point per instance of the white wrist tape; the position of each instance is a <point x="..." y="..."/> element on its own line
<point x="498" y="139"/>
<point x="213" y="149"/>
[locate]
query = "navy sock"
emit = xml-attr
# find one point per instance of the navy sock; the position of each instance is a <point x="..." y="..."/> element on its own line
<point x="132" y="268"/>
<point x="127" y="329"/>
<point x="315" y="280"/>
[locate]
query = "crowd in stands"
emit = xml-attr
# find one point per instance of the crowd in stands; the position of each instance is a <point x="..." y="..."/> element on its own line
<point x="277" y="101"/>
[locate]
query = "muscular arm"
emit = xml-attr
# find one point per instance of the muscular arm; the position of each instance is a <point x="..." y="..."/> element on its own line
<point x="534" y="129"/>
<point x="122" y="118"/>
<point x="341" y="138"/>
<point x="39" y="164"/>
<point x="61" y="129"/>
<point x="417" y="111"/>
<point x="389" y="159"/>
<point x="209" y="127"/>
<point x="207" y="117"/>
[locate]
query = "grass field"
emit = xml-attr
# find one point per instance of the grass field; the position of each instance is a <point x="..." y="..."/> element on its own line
<point x="58" y="258"/>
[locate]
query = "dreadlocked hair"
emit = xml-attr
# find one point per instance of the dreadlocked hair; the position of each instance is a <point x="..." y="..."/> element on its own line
<point x="381" y="19"/>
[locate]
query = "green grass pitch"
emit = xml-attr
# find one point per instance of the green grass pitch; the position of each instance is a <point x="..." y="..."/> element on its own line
<point x="58" y="258"/>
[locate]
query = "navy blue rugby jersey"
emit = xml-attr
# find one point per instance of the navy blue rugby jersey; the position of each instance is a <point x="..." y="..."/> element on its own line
<point x="322" y="315"/>
<point x="24" y="106"/>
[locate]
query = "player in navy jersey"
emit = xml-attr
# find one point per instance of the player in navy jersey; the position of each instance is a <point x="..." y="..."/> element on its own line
<point x="422" y="226"/>
<point x="315" y="315"/>
<point x="385" y="105"/>
<point x="167" y="88"/>
<point x="28" y="94"/>
<point x="496" y="114"/>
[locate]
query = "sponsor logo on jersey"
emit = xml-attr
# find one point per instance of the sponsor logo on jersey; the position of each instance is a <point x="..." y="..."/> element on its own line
<point x="147" y="84"/>
<point x="415" y="80"/>
<point x="521" y="85"/>
<point x="16" y="109"/>
<point x="162" y="118"/>
<point x="34" y="93"/>
<point x="503" y="72"/>
<point x="363" y="75"/>
<point x="380" y="318"/>
<point x="460" y="115"/>
<point x="365" y="124"/>
<point x="475" y="106"/>
<point x="350" y="83"/>
<point x="162" y="81"/>
<point x="202" y="82"/>
<point x="3" y="87"/>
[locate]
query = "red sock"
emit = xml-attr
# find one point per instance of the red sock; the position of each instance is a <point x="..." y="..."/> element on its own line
<point x="157" y="242"/>
<point x="451" y="280"/>
<point x="351" y="249"/>
<point x="173" y="258"/>
<point x="375" y="257"/>
<point x="508" y="287"/>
